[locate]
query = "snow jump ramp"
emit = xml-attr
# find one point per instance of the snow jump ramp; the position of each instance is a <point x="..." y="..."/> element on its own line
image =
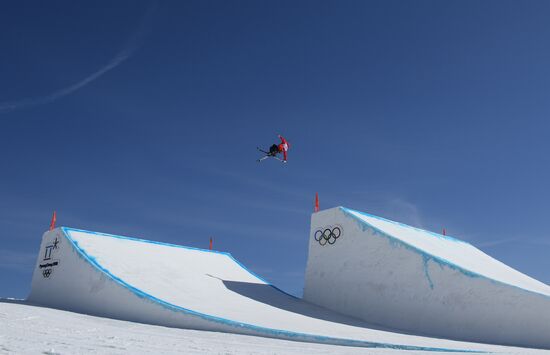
<point x="402" y="277"/>
<point x="156" y="283"/>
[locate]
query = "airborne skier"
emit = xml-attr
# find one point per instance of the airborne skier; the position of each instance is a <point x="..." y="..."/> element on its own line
<point x="276" y="149"/>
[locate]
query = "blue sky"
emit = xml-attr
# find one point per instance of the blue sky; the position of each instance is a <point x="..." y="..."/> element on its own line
<point x="142" y="119"/>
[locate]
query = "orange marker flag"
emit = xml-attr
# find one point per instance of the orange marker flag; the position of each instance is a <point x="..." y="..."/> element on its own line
<point x="316" y="202"/>
<point x="210" y="247"/>
<point x="54" y="219"/>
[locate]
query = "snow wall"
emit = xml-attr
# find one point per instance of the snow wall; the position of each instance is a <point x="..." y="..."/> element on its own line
<point x="163" y="284"/>
<point x="402" y="277"/>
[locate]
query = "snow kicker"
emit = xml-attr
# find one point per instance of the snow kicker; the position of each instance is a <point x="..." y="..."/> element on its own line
<point x="402" y="277"/>
<point x="170" y="285"/>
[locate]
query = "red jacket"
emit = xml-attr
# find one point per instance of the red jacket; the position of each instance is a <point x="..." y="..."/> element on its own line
<point x="283" y="147"/>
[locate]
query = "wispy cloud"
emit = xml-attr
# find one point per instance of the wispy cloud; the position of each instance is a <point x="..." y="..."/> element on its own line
<point x="215" y="225"/>
<point x="17" y="260"/>
<point x="126" y="52"/>
<point x="392" y="207"/>
<point x="273" y="207"/>
<point x="214" y="194"/>
<point x="496" y="242"/>
<point x="405" y="211"/>
<point x="542" y="241"/>
<point x="262" y="184"/>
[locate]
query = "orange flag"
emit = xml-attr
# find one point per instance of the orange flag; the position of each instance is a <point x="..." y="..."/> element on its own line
<point x="54" y="219"/>
<point x="316" y="202"/>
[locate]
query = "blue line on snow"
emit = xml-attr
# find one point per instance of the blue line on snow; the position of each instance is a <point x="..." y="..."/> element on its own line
<point x="426" y="255"/>
<point x="258" y="329"/>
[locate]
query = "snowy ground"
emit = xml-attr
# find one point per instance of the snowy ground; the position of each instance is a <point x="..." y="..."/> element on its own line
<point x="28" y="329"/>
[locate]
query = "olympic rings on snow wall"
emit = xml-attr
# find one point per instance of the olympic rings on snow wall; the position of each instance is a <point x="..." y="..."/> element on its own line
<point x="328" y="235"/>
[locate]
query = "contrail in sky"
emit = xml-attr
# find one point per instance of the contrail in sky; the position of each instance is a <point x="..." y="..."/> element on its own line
<point x="126" y="52"/>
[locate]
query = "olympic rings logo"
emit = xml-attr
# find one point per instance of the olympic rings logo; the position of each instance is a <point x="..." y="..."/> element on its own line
<point x="328" y="235"/>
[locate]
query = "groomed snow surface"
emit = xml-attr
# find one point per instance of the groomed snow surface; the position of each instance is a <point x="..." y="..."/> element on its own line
<point x="405" y="278"/>
<point x="156" y="283"/>
<point x="173" y="286"/>
<point x="26" y="329"/>
<point x="456" y="252"/>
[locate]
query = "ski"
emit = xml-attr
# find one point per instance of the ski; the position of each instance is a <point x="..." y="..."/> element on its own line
<point x="263" y="158"/>
<point x="268" y="155"/>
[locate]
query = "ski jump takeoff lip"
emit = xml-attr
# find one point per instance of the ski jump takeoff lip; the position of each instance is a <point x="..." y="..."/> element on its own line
<point x="328" y="235"/>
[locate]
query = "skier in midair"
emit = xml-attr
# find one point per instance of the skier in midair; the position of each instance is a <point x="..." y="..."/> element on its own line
<point x="276" y="149"/>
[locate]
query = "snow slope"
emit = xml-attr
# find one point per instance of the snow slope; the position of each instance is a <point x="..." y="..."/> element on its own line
<point x="26" y="329"/>
<point x="406" y="278"/>
<point x="170" y="285"/>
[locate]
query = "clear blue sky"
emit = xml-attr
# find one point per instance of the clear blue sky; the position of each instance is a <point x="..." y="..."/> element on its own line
<point x="142" y="119"/>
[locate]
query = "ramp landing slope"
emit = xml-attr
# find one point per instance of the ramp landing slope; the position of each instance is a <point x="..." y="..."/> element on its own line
<point x="406" y="278"/>
<point x="156" y="283"/>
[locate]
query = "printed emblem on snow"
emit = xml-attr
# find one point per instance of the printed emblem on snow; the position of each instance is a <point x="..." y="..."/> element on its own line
<point x="48" y="263"/>
<point x="328" y="234"/>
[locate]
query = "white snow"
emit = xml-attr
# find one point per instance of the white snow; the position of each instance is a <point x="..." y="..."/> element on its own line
<point x="381" y="282"/>
<point x="155" y="283"/>
<point x="26" y="329"/>
<point x="455" y="251"/>
<point x="406" y="278"/>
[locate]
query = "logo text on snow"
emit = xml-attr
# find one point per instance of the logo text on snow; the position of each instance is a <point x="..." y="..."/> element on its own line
<point x="48" y="263"/>
<point x="328" y="235"/>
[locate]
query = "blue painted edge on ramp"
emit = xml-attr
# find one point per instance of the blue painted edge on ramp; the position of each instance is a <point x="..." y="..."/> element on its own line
<point x="348" y="212"/>
<point x="183" y="247"/>
<point x="269" y="332"/>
